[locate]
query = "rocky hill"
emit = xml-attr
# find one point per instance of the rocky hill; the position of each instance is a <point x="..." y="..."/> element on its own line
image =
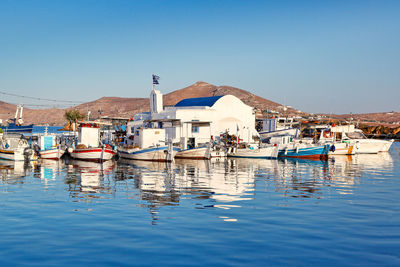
<point x="126" y="107"/>
<point x="378" y="117"/>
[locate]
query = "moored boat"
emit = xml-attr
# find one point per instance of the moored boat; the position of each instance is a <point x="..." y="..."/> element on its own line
<point x="89" y="146"/>
<point x="49" y="146"/>
<point x="146" y="144"/>
<point x="15" y="126"/>
<point x="15" y="147"/>
<point x="306" y="151"/>
<point x="362" y="144"/>
<point x="102" y="153"/>
<point x="254" y="151"/>
<point x="52" y="153"/>
<point x="337" y="147"/>
<point x="156" y="153"/>
<point x="195" y="153"/>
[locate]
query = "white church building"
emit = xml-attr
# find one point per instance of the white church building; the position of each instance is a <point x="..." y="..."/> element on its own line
<point x="194" y="121"/>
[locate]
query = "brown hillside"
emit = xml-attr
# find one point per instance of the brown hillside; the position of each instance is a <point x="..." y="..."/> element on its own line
<point x="203" y="89"/>
<point x="126" y="107"/>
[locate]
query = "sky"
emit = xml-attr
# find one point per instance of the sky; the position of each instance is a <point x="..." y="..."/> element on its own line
<point x="316" y="56"/>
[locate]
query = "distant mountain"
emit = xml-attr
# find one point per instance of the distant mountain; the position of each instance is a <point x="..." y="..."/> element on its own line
<point x="377" y="117"/>
<point x="126" y="107"/>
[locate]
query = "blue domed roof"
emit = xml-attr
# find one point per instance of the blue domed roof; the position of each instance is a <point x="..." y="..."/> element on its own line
<point x="198" y="102"/>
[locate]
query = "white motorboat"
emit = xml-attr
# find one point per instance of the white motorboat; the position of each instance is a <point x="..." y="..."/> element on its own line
<point x="362" y="144"/>
<point x="15" y="147"/>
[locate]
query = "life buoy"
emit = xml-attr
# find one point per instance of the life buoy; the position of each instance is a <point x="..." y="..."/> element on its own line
<point x="328" y="134"/>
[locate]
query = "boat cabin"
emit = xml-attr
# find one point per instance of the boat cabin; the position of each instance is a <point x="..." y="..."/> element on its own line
<point x="89" y="134"/>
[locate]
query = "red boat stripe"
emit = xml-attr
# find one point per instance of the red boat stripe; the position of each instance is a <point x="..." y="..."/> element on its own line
<point x="93" y="150"/>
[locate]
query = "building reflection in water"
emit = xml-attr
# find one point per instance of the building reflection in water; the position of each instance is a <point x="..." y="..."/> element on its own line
<point x="86" y="181"/>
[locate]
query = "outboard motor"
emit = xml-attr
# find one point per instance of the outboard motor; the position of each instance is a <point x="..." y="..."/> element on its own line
<point x="36" y="148"/>
<point x="28" y="152"/>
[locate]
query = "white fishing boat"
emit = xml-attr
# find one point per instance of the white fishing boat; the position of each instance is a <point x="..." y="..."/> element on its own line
<point x="254" y="151"/>
<point x="53" y="153"/>
<point x="15" y="147"/>
<point x="49" y="147"/>
<point x="146" y="144"/>
<point x="89" y="146"/>
<point x="193" y="146"/>
<point x="195" y="153"/>
<point x="337" y="147"/>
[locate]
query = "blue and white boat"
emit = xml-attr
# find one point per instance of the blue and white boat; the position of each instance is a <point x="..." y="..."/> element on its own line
<point x="146" y="144"/>
<point x="16" y="125"/>
<point x="15" y="128"/>
<point x="203" y="152"/>
<point x="156" y="153"/>
<point x="305" y="151"/>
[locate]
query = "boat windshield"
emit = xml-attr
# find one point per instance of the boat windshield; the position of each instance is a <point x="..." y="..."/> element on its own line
<point x="356" y="135"/>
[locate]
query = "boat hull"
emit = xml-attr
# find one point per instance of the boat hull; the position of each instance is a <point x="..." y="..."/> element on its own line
<point x="372" y="146"/>
<point x="18" y="154"/>
<point x="93" y="154"/>
<point x="149" y="154"/>
<point x="313" y="152"/>
<point x="55" y="153"/>
<point x="195" y="153"/>
<point x="9" y="154"/>
<point x="17" y="129"/>
<point x="258" y="153"/>
<point x="343" y="149"/>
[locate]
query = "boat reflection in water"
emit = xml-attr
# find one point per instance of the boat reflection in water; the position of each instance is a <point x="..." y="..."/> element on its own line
<point x="226" y="183"/>
<point x="13" y="171"/>
<point x="166" y="184"/>
<point x="222" y="183"/>
<point x="50" y="169"/>
<point x="86" y="179"/>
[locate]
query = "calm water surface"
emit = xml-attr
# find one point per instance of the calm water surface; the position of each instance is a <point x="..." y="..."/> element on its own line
<point x="231" y="212"/>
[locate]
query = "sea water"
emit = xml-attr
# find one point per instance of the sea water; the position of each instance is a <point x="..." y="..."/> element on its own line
<point x="344" y="211"/>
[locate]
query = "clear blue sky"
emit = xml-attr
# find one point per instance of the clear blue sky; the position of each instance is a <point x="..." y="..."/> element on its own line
<point x="318" y="56"/>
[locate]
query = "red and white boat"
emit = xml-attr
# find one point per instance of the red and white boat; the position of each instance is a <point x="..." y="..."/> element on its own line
<point x="52" y="153"/>
<point x="93" y="153"/>
<point x="89" y="146"/>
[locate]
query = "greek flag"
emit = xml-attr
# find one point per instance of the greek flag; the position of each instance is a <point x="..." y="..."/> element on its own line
<point x="155" y="79"/>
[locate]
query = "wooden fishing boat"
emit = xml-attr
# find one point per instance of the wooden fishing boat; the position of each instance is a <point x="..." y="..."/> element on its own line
<point x="306" y="151"/>
<point x="89" y="146"/>
<point x="267" y="152"/>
